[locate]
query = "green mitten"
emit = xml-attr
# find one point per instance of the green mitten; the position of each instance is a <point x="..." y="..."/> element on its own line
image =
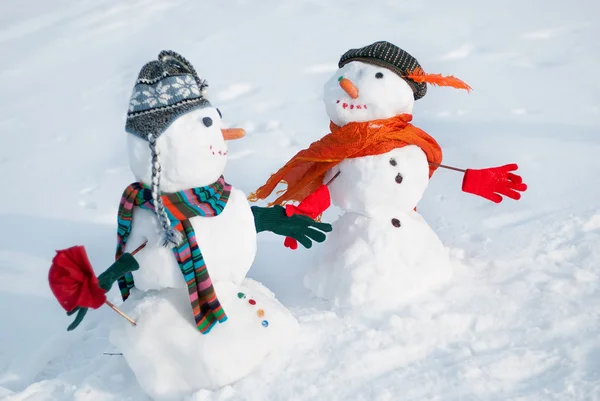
<point x="125" y="264"/>
<point x="80" y="315"/>
<point x="297" y="226"/>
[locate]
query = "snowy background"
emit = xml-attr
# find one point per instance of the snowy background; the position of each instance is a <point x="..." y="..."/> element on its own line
<point x="521" y="321"/>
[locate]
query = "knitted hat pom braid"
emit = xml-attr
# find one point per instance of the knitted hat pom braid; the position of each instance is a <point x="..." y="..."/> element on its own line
<point x="170" y="236"/>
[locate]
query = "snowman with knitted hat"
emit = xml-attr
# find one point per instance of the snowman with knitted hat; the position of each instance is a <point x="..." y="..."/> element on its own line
<point x="375" y="166"/>
<point x="199" y="322"/>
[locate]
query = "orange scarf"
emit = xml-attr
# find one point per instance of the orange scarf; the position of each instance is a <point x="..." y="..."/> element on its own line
<point x="304" y="173"/>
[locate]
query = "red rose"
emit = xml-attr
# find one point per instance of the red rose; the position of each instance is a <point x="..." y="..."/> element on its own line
<point x="73" y="282"/>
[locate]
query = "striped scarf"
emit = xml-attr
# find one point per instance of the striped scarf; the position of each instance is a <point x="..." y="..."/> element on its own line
<point x="206" y="201"/>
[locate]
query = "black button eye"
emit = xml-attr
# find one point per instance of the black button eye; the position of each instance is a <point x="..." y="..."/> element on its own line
<point x="393" y="162"/>
<point x="379" y="75"/>
<point x="219" y="111"/>
<point x="399" y="178"/>
<point x="396" y="223"/>
<point x="207" y="121"/>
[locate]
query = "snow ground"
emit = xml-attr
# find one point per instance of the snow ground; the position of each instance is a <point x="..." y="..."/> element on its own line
<point x="519" y="322"/>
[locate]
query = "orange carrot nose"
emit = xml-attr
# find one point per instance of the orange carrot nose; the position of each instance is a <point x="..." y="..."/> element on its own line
<point x="349" y="88"/>
<point x="233" y="133"/>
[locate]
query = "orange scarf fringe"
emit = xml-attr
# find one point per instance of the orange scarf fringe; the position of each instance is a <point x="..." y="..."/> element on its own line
<point x="304" y="173"/>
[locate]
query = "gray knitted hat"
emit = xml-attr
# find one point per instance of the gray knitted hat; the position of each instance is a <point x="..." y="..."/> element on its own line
<point x="387" y="55"/>
<point x="165" y="89"/>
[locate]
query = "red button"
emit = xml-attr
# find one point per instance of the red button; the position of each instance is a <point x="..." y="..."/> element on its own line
<point x="252" y="302"/>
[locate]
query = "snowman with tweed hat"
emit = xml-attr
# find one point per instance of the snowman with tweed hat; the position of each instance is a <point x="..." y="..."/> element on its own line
<point x="200" y="323"/>
<point x="375" y="166"/>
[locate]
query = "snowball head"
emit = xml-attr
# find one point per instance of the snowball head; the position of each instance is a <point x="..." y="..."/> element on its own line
<point x="192" y="152"/>
<point x="376" y="185"/>
<point x="381" y="94"/>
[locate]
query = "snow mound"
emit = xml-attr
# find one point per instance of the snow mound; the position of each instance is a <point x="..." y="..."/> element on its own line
<point x="171" y="359"/>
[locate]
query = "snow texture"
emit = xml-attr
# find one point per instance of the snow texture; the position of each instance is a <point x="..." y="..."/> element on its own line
<point x="518" y="319"/>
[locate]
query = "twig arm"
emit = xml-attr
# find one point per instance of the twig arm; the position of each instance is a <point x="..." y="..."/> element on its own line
<point x="113" y="307"/>
<point x="448" y="167"/>
<point x="333" y="178"/>
<point x="432" y="164"/>
<point x="139" y="248"/>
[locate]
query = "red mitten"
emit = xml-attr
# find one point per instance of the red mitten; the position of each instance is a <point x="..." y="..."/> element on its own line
<point x="312" y="206"/>
<point x="73" y="282"/>
<point x="490" y="183"/>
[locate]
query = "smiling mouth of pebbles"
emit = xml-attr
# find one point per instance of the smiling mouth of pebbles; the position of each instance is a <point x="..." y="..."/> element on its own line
<point x="352" y="106"/>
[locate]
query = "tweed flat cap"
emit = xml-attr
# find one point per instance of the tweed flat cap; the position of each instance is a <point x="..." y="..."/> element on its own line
<point x="387" y="55"/>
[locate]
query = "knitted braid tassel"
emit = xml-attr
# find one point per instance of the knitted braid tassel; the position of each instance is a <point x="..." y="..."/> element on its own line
<point x="170" y="237"/>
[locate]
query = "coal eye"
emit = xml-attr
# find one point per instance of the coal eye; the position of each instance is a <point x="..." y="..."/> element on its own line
<point x="379" y="75"/>
<point x="393" y="162"/>
<point x="399" y="178"/>
<point x="207" y="121"/>
<point x="219" y="111"/>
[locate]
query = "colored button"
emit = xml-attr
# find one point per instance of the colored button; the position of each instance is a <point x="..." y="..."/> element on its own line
<point x="260" y="313"/>
<point x="241" y="295"/>
<point x="265" y="323"/>
<point x="252" y="302"/>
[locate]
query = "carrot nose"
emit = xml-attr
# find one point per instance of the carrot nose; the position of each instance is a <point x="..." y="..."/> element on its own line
<point x="233" y="133"/>
<point x="349" y="88"/>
